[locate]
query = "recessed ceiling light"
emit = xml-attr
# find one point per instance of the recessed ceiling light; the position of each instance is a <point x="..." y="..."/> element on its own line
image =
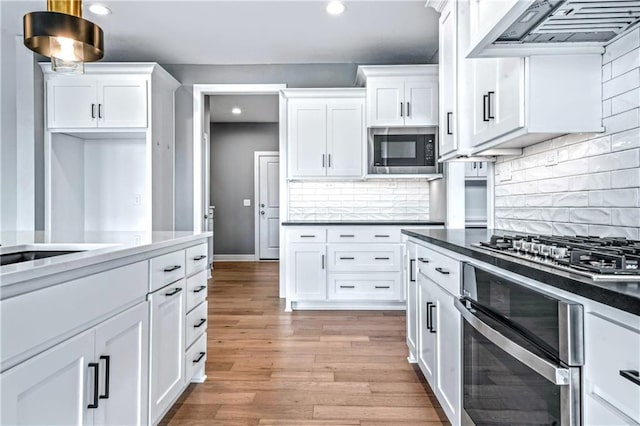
<point x="335" y="8"/>
<point x="99" y="9"/>
<point x="236" y="111"/>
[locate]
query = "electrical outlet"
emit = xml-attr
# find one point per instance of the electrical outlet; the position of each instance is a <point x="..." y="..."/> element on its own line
<point x="392" y="184"/>
<point x="505" y="174"/>
<point x="137" y="240"/>
<point x="137" y="199"/>
<point x="246" y="203"/>
<point x="552" y="158"/>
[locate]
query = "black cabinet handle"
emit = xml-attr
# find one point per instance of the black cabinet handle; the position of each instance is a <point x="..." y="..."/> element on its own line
<point x="443" y="271"/>
<point x="172" y="268"/>
<point x="382" y="258"/>
<point x="323" y="156"/>
<point x="382" y="236"/>
<point x="93" y="110"/>
<point x="430" y="316"/>
<point x="449" y="114"/>
<point x="401" y="110"/>
<point x="197" y="360"/>
<point x="199" y="289"/>
<point x="347" y="258"/>
<point x="347" y="286"/>
<point x="490" y="105"/>
<point x="198" y="325"/>
<point x="329" y="160"/>
<point x="202" y="256"/>
<point x="107" y="375"/>
<point x="173" y="292"/>
<point x="485" y="101"/>
<point x="408" y="109"/>
<point x="423" y="260"/>
<point x="383" y="286"/>
<point x="474" y="165"/>
<point x="347" y="236"/>
<point x="631" y="375"/>
<point x="307" y="236"/>
<point x="99" y="110"/>
<point x="323" y="261"/>
<point x="96" y="377"/>
<point x="411" y="277"/>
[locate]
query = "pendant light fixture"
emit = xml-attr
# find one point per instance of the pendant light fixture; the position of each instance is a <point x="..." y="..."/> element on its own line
<point x="63" y="35"/>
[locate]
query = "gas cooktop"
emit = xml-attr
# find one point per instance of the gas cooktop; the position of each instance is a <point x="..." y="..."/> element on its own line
<point x="600" y="258"/>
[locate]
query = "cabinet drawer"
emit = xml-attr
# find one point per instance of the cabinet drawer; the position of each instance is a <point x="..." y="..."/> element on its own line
<point x="196" y="323"/>
<point x="196" y="258"/>
<point x="364" y="235"/>
<point x="611" y="348"/>
<point x="196" y="290"/>
<point x="442" y="269"/>
<point x="166" y="269"/>
<point x="364" y="257"/>
<point x="365" y="286"/>
<point x="195" y="357"/>
<point x="307" y="235"/>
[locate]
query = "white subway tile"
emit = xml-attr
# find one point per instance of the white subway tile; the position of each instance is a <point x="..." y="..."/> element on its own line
<point x="621" y="122"/>
<point x="571" y="229"/>
<point x="571" y="199"/>
<point x="615" y="161"/>
<point x="569" y="168"/>
<point x="626" y="140"/>
<point x="590" y="181"/>
<point x="626" y="217"/>
<point x="625" y="63"/>
<point x="621" y="46"/>
<point x="539" y="227"/>
<point x="606" y="108"/>
<point x="629" y="178"/>
<point x="555" y="215"/>
<point x="538" y="148"/>
<point x="625" y="101"/>
<point x="554" y="185"/>
<point x="571" y="139"/>
<point x="595" y="216"/>
<point x="538" y="173"/>
<point x="620" y="84"/>
<point x="606" y="72"/>
<point x="539" y="200"/>
<point x="613" y="231"/>
<point x="614" y="198"/>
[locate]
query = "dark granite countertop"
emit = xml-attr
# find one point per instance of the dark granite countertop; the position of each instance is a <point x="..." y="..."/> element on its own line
<point x="621" y="295"/>
<point x="363" y="223"/>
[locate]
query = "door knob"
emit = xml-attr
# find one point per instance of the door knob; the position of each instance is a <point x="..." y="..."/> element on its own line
<point x="262" y="212"/>
<point x="262" y="205"/>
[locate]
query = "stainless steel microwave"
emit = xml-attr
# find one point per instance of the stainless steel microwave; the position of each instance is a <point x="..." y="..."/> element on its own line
<point x="403" y="154"/>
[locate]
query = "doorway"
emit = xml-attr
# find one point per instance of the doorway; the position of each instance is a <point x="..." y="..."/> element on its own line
<point x="267" y="196"/>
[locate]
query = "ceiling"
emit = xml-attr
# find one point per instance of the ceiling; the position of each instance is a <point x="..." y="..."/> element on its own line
<point x="255" y="108"/>
<point x="257" y="32"/>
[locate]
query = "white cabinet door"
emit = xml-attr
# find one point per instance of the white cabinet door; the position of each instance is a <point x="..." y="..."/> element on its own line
<point x="447" y="323"/>
<point x="167" y="374"/>
<point x="385" y="102"/>
<point x="122" y="349"/>
<point x="122" y="103"/>
<point x="306" y="271"/>
<point x="448" y="78"/>
<point x="508" y="108"/>
<point x="427" y="339"/>
<point x="308" y="137"/>
<point x="471" y="169"/>
<point x="412" y="301"/>
<point x="482" y="169"/>
<point x="421" y="102"/>
<point x="71" y="103"/>
<point x="483" y="82"/>
<point x="53" y="388"/>
<point x="345" y="137"/>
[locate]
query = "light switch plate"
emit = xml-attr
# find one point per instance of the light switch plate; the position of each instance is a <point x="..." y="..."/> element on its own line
<point x="246" y="203"/>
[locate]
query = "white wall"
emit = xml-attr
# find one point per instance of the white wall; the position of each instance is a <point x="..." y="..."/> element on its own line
<point x="398" y="199"/>
<point x="594" y="189"/>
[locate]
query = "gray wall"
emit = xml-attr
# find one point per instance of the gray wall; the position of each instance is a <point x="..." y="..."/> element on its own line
<point x="232" y="181"/>
<point x="300" y="75"/>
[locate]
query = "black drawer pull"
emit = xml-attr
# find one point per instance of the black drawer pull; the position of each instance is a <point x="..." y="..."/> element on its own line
<point x="96" y="378"/>
<point x="197" y="258"/>
<point x="347" y="258"/>
<point x="423" y="260"/>
<point x="172" y="268"/>
<point x="199" y="289"/>
<point x="382" y="258"/>
<point x="443" y="271"/>
<point x="197" y="360"/>
<point x="411" y="277"/>
<point x="383" y="286"/>
<point x="382" y="236"/>
<point x="631" y="375"/>
<point x="307" y="236"/>
<point x="198" y="325"/>
<point x="347" y="236"/>
<point x="173" y="292"/>
<point x="107" y="376"/>
<point x="347" y="286"/>
<point x="431" y="327"/>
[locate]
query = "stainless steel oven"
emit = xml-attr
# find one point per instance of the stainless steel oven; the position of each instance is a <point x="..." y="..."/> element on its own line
<point x="522" y="352"/>
<point x="403" y="153"/>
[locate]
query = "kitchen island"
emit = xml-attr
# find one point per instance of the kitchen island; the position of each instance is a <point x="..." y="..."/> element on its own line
<point x="112" y="333"/>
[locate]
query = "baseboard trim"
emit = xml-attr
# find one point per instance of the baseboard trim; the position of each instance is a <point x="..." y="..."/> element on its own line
<point x="351" y="306"/>
<point x="234" y="258"/>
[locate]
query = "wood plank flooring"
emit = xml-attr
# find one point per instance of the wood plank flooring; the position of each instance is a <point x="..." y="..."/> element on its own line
<point x="268" y="367"/>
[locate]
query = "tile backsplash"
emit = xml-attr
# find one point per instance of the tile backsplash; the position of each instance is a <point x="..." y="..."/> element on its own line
<point x="397" y="199"/>
<point x="582" y="183"/>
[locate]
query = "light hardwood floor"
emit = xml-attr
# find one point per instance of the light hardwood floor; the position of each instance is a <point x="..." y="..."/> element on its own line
<point x="268" y="367"/>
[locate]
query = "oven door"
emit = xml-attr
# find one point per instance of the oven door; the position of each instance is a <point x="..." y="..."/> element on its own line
<point x="508" y="380"/>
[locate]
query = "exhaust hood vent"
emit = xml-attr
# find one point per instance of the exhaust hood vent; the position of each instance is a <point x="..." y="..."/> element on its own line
<point x="572" y="21"/>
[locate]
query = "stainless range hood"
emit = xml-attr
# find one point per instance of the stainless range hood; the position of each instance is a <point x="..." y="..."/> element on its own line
<point x="558" y="26"/>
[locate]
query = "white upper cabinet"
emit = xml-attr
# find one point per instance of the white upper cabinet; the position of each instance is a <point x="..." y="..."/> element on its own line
<point x="400" y="95"/>
<point x="326" y="133"/>
<point x="82" y="102"/>
<point x="448" y="78"/>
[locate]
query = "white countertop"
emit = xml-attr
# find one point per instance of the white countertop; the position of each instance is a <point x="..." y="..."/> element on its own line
<point x="99" y="248"/>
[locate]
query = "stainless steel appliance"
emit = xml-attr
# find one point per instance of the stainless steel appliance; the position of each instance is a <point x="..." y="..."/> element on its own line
<point x="600" y="258"/>
<point x="522" y="352"/>
<point x="400" y="152"/>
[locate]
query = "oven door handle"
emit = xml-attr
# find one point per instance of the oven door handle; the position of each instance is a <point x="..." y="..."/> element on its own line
<point x="557" y="375"/>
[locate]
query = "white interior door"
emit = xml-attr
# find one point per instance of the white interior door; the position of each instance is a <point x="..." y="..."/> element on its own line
<point x="269" y="205"/>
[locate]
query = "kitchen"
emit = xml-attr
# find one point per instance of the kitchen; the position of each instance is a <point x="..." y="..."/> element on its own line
<point x="512" y="315"/>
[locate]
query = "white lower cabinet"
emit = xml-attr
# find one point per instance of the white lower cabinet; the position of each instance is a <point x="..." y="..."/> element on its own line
<point x="307" y="272"/>
<point x="167" y="375"/>
<point x="412" y="301"/>
<point x="97" y="377"/>
<point x="426" y="337"/>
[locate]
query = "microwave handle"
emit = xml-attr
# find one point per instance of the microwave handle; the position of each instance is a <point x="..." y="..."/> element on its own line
<point x="557" y="375"/>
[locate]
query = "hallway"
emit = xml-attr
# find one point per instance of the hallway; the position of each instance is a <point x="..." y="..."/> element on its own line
<point x="268" y="367"/>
